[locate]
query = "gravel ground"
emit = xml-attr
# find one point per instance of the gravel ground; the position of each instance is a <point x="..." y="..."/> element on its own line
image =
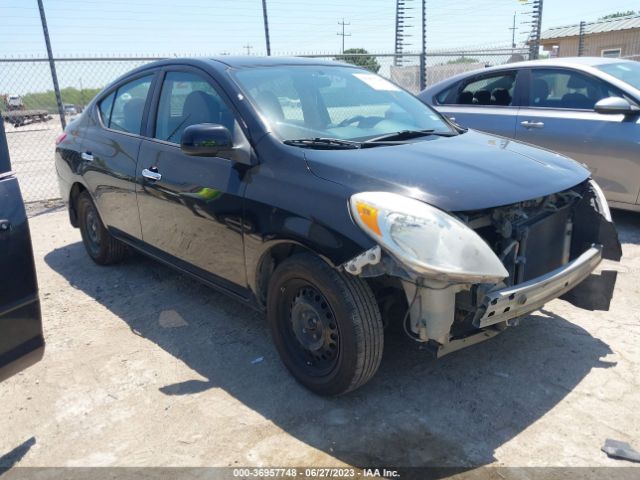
<point x="147" y="367"/>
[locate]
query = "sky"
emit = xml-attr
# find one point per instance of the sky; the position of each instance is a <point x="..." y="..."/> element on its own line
<point x="208" y="27"/>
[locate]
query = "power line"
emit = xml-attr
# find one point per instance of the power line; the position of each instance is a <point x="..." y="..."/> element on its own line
<point x="248" y="47"/>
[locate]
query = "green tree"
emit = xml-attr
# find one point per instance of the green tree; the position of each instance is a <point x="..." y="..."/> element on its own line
<point x="618" y="14"/>
<point x="47" y="100"/>
<point x="463" y="60"/>
<point x="361" y="58"/>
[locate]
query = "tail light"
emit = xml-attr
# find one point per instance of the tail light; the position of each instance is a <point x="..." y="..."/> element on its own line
<point x="61" y="138"/>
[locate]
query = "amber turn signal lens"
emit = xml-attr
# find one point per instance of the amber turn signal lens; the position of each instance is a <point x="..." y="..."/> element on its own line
<point x="369" y="216"/>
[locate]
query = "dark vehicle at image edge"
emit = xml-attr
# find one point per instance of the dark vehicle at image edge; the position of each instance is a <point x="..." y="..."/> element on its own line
<point x="334" y="201"/>
<point x="21" y="339"/>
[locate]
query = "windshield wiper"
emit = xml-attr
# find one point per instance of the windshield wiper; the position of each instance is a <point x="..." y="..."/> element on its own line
<point x="323" y="143"/>
<point x="408" y="135"/>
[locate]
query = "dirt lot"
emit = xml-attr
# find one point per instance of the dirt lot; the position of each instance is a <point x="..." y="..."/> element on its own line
<point x="146" y="367"/>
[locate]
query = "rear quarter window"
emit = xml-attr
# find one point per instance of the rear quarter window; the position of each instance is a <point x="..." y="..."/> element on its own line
<point x="104" y="108"/>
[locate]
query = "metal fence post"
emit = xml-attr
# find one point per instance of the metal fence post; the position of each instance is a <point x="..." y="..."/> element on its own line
<point x="583" y="25"/>
<point x="423" y="56"/>
<point x="5" y="161"/>
<point x="52" y="65"/>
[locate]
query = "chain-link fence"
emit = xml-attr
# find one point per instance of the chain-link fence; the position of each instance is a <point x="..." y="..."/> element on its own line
<point x="32" y="122"/>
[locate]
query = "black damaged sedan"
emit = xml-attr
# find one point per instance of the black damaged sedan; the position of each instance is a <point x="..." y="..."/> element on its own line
<point x="334" y="201"/>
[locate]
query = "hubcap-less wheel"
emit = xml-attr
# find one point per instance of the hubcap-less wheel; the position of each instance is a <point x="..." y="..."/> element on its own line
<point x="91" y="227"/>
<point x="325" y="324"/>
<point x="314" y="330"/>
<point x="100" y="245"/>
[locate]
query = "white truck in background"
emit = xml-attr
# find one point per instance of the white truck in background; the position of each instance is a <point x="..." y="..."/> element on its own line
<point x="15" y="113"/>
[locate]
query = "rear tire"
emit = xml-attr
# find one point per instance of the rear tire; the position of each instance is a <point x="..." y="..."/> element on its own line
<point x="325" y="324"/>
<point x="100" y="245"/>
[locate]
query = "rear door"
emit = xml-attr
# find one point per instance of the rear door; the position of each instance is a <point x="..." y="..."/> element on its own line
<point x="21" y="339"/>
<point x="193" y="212"/>
<point x="558" y="114"/>
<point x="487" y="101"/>
<point x="110" y="152"/>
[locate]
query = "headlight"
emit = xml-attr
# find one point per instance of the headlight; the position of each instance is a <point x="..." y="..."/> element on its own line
<point x="427" y="240"/>
<point x="601" y="203"/>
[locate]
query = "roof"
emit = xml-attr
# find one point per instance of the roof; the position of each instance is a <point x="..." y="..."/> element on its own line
<point x="600" y="26"/>
<point x="248" y="61"/>
<point x="580" y="63"/>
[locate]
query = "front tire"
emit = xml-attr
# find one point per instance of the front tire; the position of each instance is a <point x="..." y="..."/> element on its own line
<point x="100" y="245"/>
<point x="325" y="324"/>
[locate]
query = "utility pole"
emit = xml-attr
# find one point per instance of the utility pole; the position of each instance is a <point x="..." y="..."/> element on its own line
<point x="513" y="32"/>
<point x="401" y="19"/>
<point x="52" y="65"/>
<point x="536" y="29"/>
<point x="343" y="34"/>
<point x="266" y="26"/>
<point x="248" y="47"/>
<point x="583" y="25"/>
<point x="423" y="57"/>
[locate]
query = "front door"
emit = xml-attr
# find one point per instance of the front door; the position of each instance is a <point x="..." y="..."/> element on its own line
<point x="559" y="115"/>
<point x="193" y="211"/>
<point x="21" y="340"/>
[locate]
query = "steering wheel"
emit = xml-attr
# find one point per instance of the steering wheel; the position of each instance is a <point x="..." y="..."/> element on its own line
<point x="363" y="122"/>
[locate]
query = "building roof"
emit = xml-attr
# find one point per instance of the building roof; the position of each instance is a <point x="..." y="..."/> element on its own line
<point x="600" y="26"/>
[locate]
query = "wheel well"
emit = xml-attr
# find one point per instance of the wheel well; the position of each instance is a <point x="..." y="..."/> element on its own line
<point x="387" y="290"/>
<point x="268" y="263"/>
<point x="75" y="192"/>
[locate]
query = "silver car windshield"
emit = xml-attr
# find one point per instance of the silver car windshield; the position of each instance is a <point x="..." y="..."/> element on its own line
<point x="334" y="102"/>
<point x="628" y="72"/>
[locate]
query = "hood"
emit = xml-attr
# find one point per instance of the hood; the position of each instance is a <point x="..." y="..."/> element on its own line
<point x="471" y="171"/>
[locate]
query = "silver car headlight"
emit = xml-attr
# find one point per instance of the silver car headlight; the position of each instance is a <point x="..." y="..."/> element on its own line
<point x="425" y="239"/>
<point x="602" y="206"/>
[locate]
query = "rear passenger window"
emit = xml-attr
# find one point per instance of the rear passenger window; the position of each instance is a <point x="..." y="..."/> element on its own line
<point x="496" y="90"/>
<point x="128" y="106"/>
<point x="105" y="108"/>
<point x="188" y="99"/>
<point x="566" y="89"/>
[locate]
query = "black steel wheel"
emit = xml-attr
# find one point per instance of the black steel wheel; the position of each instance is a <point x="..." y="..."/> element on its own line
<point x="325" y="324"/>
<point x="100" y="245"/>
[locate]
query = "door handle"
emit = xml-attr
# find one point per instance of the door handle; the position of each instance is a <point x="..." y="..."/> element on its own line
<point x="155" y="176"/>
<point x="87" y="156"/>
<point x="527" y="124"/>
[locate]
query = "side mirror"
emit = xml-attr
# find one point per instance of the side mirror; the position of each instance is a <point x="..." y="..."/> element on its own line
<point x="615" y="106"/>
<point x="206" y="140"/>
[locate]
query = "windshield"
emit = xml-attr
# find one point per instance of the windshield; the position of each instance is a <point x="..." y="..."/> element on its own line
<point x="628" y="72"/>
<point x="334" y="102"/>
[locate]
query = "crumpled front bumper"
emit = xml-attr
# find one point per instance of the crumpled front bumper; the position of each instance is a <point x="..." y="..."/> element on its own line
<point x="511" y="302"/>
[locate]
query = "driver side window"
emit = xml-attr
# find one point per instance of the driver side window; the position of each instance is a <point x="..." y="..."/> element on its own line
<point x="188" y="99"/>
<point x="566" y="89"/>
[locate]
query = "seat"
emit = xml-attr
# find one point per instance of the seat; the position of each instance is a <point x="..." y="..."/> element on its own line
<point x="575" y="99"/>
<point x="502" y="97"/>
<point x="465" y="98"/>
<point x="482" y="97"/>
<point x="132" y="115"/>
<point x="198" y="107"/>
<point x="270" y="105"/>
<point x="539" y="92"/>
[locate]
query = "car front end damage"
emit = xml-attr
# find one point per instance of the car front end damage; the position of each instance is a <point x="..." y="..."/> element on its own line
<point x="505" y="262"/>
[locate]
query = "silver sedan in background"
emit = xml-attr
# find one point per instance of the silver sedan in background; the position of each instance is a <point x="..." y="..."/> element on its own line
<point x="587" y="108"/>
